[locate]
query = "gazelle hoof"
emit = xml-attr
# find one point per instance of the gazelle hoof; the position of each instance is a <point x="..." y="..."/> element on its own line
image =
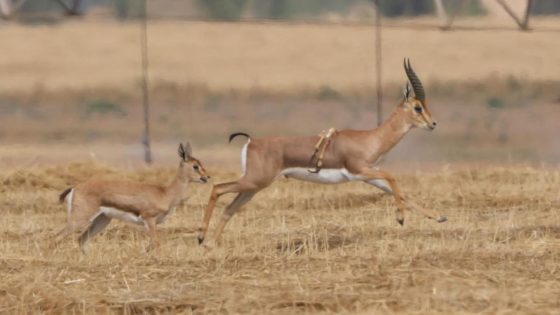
<point x="200" y="240"/>
<point x="441" y="219"/>
<point x="401" y="221"/>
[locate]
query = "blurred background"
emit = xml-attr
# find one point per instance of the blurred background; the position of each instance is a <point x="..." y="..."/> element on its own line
<point x="71" y="77"/>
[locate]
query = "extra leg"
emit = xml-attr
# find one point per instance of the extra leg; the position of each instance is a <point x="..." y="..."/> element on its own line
<point x="320" y="148"/>
<point x="383" y="185"/>
<point x="97" y="225"/>
<point x="240" y="200"/>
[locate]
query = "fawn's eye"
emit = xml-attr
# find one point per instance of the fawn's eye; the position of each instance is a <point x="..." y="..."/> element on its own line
<point x="418" y="109"/>
<point x="195" y="167"/>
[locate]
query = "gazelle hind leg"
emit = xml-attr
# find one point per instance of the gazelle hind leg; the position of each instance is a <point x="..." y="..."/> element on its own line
<point x="240" y="200"/>
<point x="97" y="225"/>
<point x="217" y="191"/>
<point x="383" y="185"/>
<point x="79" y="219"/>
<point x="68" y="229"/>
<point x="61" y="234"/>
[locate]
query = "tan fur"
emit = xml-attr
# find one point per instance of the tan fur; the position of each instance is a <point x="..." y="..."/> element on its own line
<point x="356" y="151"/>
<point x="149" y="203"/>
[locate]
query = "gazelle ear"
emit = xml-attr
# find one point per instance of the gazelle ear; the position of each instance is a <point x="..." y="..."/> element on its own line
<point x="181" y="152"/>
<point x="188" y="149"/>
<point x="407" y="91"/>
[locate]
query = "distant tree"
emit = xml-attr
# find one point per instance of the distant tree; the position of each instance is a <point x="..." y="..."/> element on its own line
<point x="126" y="9"/>
<point x="280" y="9"/>
<point x="406" y="7"/>
<point x="546" y="7"/>
<point x="229" y="10"/>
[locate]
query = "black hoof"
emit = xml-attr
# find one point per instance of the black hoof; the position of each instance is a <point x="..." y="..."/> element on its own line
<point x="200" y="240"/>
<point x="401" y="221"/>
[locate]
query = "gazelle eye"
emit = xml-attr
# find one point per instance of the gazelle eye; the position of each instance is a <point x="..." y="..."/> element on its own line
<point x="195" y="167"/>
<point x="418" y="109"/>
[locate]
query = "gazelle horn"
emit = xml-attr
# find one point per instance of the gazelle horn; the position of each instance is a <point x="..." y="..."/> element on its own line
<point x="415" y="81"/>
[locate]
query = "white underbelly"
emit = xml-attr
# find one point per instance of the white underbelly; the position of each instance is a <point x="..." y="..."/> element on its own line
<point x="324" y="176"/>
<point x="114" y="213"/>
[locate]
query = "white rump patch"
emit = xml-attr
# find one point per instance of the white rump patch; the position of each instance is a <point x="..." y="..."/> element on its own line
<point x="114" y="213"/>
<point x="69" y="200"/>
<point x="244" y="157"/>
<point x="325" y="176"/>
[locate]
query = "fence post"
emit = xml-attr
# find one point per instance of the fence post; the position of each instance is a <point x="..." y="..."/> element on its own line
<point x="145" y="88"/>
<point x="378" y="62"/>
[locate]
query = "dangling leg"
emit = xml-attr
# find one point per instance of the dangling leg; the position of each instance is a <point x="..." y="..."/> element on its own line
<point x="241" y="199"/>
<point x="320" y="148"/>
<point x="383" y="185"/>
<point x="97" y="225"/>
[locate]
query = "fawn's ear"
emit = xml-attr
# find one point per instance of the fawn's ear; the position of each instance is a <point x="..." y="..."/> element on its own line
<point x="188" y="149"/>
<point x="181" y="151"/>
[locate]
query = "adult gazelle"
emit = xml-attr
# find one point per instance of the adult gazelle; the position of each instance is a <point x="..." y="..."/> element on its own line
<point x="347" y="155"/>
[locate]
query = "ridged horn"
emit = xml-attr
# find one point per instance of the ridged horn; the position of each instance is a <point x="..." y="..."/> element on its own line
<point x="415" y="81"/>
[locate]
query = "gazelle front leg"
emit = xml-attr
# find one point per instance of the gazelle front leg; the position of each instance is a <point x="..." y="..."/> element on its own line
<point x="431" y="214"/>
<point x="370" y="174"/>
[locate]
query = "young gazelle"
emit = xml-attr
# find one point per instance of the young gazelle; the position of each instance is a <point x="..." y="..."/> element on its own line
<point x="347" y="155"/>
<point x="92" y="204"/>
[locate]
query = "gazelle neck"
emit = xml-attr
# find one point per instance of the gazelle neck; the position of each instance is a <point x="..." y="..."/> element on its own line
<point x="392" y="130"/>
<point x="176" y="191"/>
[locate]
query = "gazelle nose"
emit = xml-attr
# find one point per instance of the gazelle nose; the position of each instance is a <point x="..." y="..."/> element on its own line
<point x="434" y="123"/>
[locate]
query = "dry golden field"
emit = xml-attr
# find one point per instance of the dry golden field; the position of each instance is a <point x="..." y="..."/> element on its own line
<point x="297" y="247"/>
<point x="69" y="109"/>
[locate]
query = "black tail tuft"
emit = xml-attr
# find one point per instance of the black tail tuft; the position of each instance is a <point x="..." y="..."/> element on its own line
<point x="233" y="135"/>
<point x="64" y="193"/>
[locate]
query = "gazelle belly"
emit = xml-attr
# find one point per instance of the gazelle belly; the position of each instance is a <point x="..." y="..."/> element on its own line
<point x="324" y="176"/>
<point x="114" y="213"/>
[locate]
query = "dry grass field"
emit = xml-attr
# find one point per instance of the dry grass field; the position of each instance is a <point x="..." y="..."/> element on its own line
<point x="296" y="247"/>
<point x="69" y="109"/>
